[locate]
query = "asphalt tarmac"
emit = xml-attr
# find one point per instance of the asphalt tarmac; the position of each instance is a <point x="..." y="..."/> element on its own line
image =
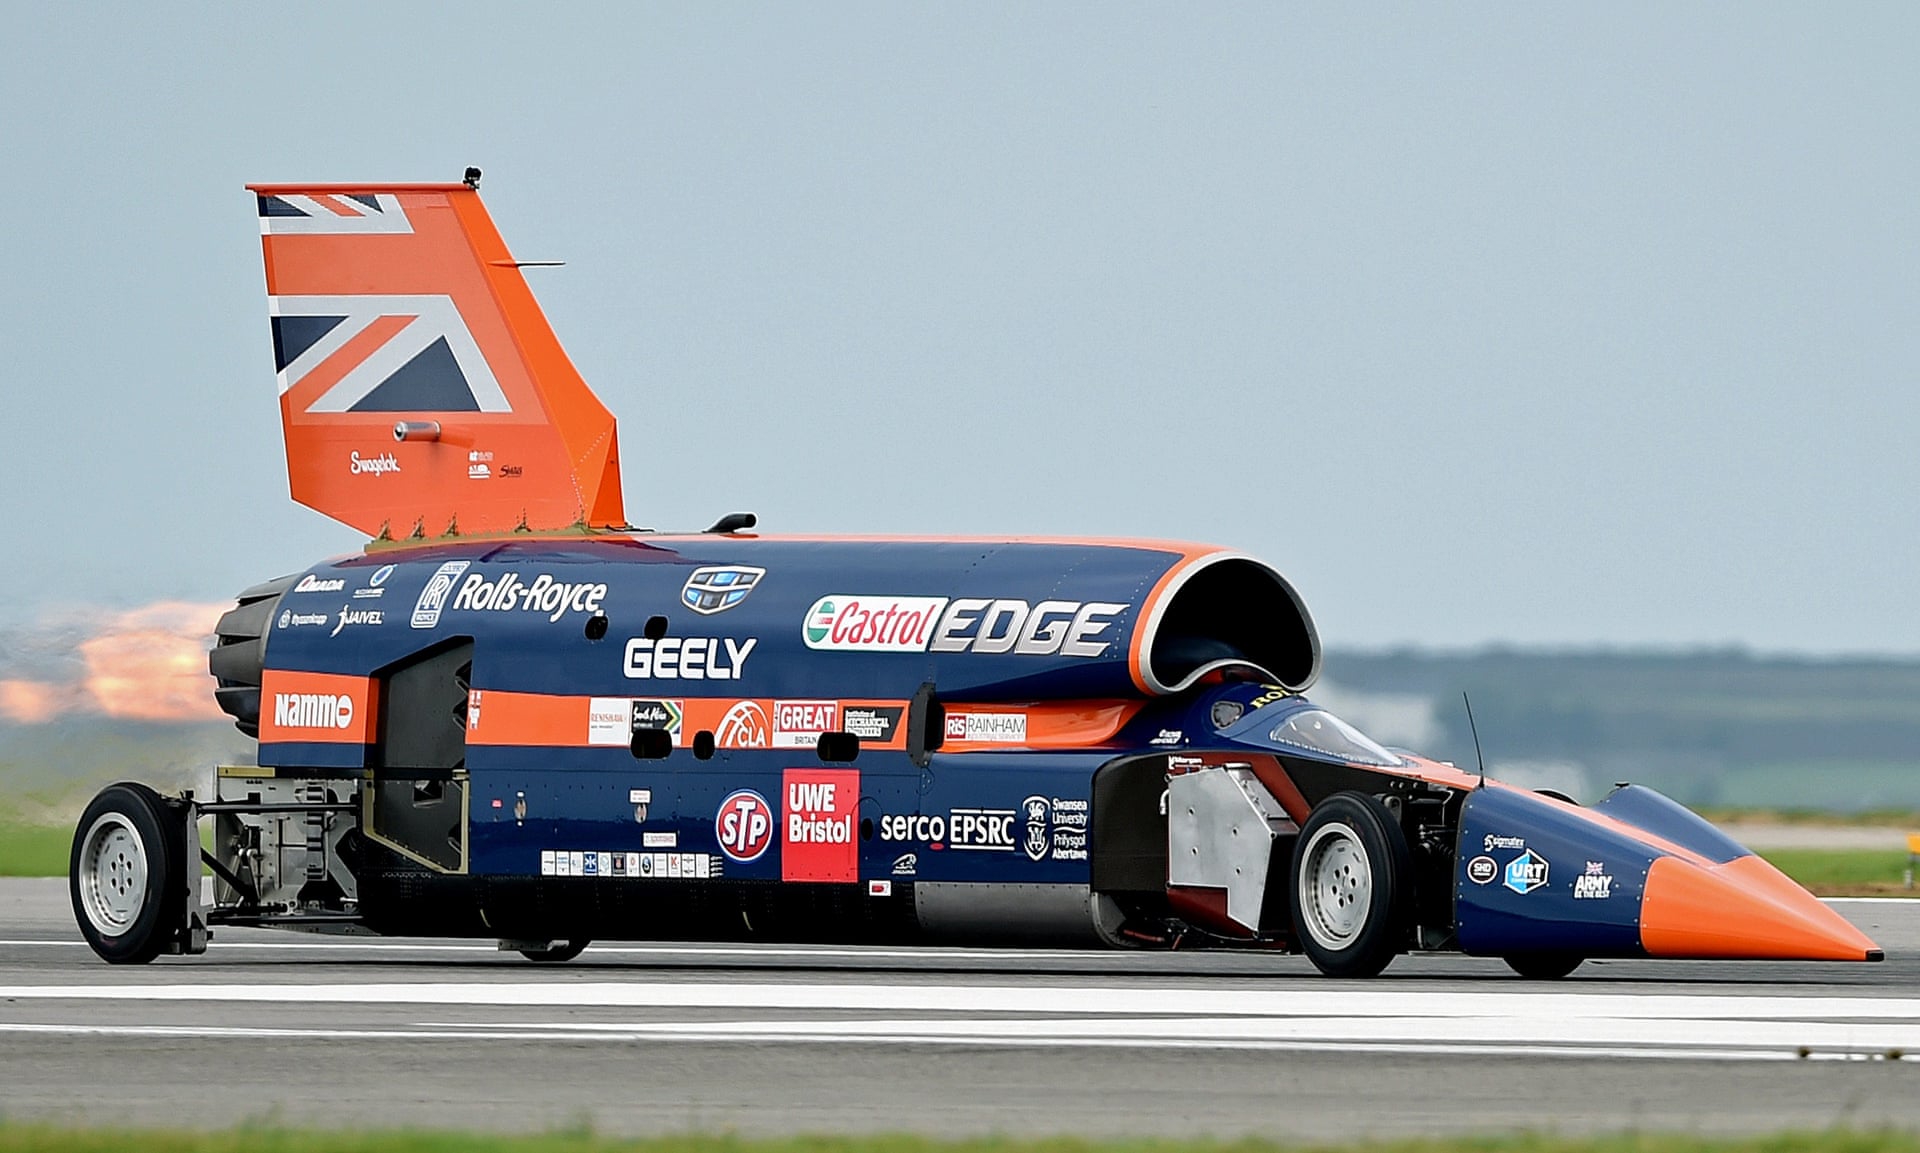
<point x="356" y="1032"/>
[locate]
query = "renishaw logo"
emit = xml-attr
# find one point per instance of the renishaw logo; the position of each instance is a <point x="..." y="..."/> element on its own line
<point x="960" y="625"/>
<point x="312" y="711"/>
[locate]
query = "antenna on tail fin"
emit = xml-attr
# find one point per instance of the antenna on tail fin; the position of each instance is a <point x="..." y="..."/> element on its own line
<point x="398" y="307"/>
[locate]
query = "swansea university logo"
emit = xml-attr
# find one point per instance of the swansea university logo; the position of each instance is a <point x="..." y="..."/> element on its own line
<point x="717" y="588"/>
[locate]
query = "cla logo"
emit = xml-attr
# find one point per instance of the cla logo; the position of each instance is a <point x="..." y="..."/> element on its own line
<point x="433" y="598"/>
<point x="1482" y="870"/>
<point x="744" y="825"/>
<point x="1526" y="872"/>
<point x="1038" y="837"/>
<point x="744" y="727"/>
<point x="717" y="588"/>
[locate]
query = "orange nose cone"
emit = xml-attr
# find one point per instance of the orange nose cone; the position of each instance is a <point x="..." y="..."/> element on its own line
<point x="1743" y="910"/>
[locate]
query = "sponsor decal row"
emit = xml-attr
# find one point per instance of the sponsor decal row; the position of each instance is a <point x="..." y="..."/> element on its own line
<point x="1530" y="871"/>
<point x="735" y="724"/>
<point x="669" y="866"/>
<point x="708" y="590"/>
<point x="1043" y="827"/>
<point x="814" y="824"/>
<point x="480" y="465"/>
<point x="453" y="588"/>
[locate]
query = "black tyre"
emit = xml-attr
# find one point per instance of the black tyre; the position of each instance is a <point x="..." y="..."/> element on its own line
<point x="1543" y="966"/>
<point x="558" y="954"/>
<point x="1352" y="886"/>
<point x="126" y="875"/>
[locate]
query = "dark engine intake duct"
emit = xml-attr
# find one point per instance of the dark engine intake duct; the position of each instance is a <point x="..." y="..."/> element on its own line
<point x="1233" y="612"/>
<point x="240" y="652"/>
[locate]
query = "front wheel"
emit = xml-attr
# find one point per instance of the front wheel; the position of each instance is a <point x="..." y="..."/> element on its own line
<point x="1352" y="885"/>
<point x="126" y="875"/>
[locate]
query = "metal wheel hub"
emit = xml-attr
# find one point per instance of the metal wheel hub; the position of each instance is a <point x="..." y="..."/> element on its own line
<point x="113" y="874"/>
<point x="1336" y="886"/>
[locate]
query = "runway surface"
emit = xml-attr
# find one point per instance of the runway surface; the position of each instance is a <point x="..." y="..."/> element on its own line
<point x="948" y="1042"/>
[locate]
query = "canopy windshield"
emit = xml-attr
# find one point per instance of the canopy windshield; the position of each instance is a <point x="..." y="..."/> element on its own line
<point x="1317" y="731"/>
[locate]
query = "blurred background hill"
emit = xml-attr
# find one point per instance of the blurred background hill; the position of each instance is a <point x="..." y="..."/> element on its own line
<point x="1720" y="728"/>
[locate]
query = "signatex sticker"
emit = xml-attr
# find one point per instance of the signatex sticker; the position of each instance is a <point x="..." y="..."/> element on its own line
<point x="816" y="834"/>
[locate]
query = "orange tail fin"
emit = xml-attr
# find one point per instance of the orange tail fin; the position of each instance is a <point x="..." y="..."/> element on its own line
<point x="421" y="389"/>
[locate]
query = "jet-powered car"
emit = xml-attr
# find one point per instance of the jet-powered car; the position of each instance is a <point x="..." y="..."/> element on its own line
<point x="514" y="716"/>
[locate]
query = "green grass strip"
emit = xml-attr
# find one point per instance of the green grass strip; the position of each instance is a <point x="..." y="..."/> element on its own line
<point x="1831" y="868"/>
<point x="19" y="1138"/>
<point x="34" y="850"/>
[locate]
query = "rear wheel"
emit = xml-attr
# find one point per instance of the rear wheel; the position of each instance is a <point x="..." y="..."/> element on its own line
<point x="126" y="875"/>
<point x="559" y="953"/>
<point x="1352" y="884"/>
<point x="1543" y="966"/>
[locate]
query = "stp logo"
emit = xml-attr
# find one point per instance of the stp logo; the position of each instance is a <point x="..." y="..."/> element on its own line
<point x="744" y="825"/>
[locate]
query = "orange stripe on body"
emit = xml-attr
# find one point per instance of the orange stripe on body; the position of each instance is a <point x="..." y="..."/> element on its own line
<point x="503" y="718"/>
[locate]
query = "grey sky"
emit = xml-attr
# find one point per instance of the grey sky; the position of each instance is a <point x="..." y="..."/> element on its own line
<point x="1531" y="323"/>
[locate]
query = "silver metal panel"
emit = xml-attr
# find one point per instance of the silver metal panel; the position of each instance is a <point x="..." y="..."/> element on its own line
<point x="1069" y="916"/>
<point x="1221" y="827"/>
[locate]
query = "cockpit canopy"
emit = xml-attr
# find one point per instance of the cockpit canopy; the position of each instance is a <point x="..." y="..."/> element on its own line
<point x="1294" y="724"/>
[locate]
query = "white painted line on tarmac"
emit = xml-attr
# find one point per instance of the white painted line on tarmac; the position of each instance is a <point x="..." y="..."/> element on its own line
<point x="1482" y="1031"/>
<point x="1040" y="999"/>
<point x="695" y="1033"/>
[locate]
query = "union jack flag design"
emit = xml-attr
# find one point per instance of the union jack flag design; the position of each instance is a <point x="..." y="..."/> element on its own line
<point x="427" y="362"/>
<point x="332" y="214"/>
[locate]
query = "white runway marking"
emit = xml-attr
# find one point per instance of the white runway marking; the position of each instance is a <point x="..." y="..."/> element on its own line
<point x="626" y="1035"/>
<point x="1126" y="1000"/>
<point x="1728" y="1027"/>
